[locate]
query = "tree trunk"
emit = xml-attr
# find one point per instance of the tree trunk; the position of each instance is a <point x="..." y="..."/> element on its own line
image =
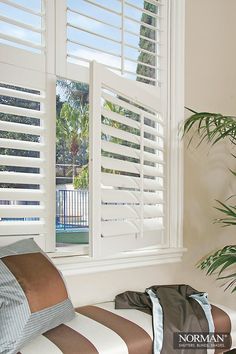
<point x="73" y="167"/>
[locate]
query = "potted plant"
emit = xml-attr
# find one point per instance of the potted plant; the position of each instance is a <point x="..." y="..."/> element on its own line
<point x="212" y="128"/>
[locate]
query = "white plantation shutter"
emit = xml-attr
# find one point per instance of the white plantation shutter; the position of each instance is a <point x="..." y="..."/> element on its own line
<point x="27" y="124"/>
<point x="135" y="160"/>
<point x="22" y="33"/>
<point x="127" y="149"/>
<point x="125" y="35"/>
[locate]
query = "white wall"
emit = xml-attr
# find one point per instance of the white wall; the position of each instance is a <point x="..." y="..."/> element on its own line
<point x="99" y="287"/>
<point x="211" y="86"/>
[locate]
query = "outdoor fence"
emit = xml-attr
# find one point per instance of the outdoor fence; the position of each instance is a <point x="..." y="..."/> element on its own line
<point x="71" y="209"/>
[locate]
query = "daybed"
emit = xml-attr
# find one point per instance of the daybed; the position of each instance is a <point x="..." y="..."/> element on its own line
<point x="104" y="330"/>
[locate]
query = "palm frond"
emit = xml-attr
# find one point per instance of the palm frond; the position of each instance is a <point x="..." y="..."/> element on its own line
<point x="220" y="261"/>
<point x="211" y="127"/>
<point x="190" y="109"/>
<point x="229" y="211"/>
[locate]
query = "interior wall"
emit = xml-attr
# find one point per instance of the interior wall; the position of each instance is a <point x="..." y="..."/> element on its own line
<point x="210" y="80"/>
<point x="104" y="286"/>
<point x="210" y="85"/>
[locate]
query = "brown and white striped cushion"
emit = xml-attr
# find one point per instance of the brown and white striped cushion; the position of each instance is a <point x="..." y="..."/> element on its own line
<point x="100" y="329"/>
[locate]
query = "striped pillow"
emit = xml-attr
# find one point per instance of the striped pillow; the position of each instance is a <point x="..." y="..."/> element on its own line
<point x="33" y="296"/>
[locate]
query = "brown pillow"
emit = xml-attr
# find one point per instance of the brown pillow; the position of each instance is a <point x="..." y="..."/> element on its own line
<point x="33" y="296"/>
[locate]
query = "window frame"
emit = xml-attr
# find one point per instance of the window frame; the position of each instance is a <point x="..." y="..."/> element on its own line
<point x="72" y="262"/>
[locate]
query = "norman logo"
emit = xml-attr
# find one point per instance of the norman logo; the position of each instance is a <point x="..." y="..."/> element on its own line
<point x="196" y="340"/>
<point x="188" y="338"/>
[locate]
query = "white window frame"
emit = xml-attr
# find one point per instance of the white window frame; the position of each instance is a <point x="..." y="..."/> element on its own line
<point x="173" y="250"/>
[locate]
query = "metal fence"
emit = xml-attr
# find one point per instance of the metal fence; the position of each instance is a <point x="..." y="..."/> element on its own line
<point x="71" y="209"/>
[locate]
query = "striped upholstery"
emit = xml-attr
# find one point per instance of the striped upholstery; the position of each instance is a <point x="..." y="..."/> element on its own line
<point x="100" y="329"/>
<point x="232" y="315"/>
<point x="33" y="296"/>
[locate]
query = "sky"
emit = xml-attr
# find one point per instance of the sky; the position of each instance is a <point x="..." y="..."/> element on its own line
<point x="83" y="37"/>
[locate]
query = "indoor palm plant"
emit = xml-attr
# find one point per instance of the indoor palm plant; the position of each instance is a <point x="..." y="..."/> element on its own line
<point x="214" y="127"/>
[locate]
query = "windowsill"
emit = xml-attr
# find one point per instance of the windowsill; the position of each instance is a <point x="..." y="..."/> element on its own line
<point x="74" y="264"/>
<point x="70" y="251"/>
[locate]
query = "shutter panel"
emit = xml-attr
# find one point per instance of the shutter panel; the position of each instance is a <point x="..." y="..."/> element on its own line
<point x="127" y="164"/>
<point x="124" y="35"/>
<point x="27" y="108"/>
<point x="24" y="174"/>
<point x="22" y="33"/>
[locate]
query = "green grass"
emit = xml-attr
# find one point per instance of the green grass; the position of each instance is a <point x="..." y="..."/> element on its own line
<point x="72" y="237"/>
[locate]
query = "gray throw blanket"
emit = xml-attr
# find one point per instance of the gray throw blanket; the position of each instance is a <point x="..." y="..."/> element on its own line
<point x="181" y="313"/>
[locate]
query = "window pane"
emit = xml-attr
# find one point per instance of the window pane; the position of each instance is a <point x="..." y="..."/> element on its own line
<point x="72" y="195"/>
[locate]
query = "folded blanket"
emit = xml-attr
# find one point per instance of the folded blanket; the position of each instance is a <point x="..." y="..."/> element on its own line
<point x="175" y="308"/>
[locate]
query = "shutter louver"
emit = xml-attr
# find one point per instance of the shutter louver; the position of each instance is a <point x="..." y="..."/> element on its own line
<point x="129" y="184"/>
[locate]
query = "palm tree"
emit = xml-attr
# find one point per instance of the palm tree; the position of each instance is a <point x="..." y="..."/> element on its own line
<point x="72" y="127"/>
<point x="212" y="128"/>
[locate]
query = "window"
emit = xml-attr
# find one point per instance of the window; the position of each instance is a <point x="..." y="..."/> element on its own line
<point x="126" y="57"/>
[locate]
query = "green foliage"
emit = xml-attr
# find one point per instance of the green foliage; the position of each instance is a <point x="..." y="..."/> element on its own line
<point x="212" y="128"/>
<point x="73" y="130"/>
<point x="229" y="211"/>
<point x="68" y="126"/>
<point x="82" y="180"/>
<point x="220" y="261"/>
<point x="76" y="93"/>
<point x="72" y="126"/>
